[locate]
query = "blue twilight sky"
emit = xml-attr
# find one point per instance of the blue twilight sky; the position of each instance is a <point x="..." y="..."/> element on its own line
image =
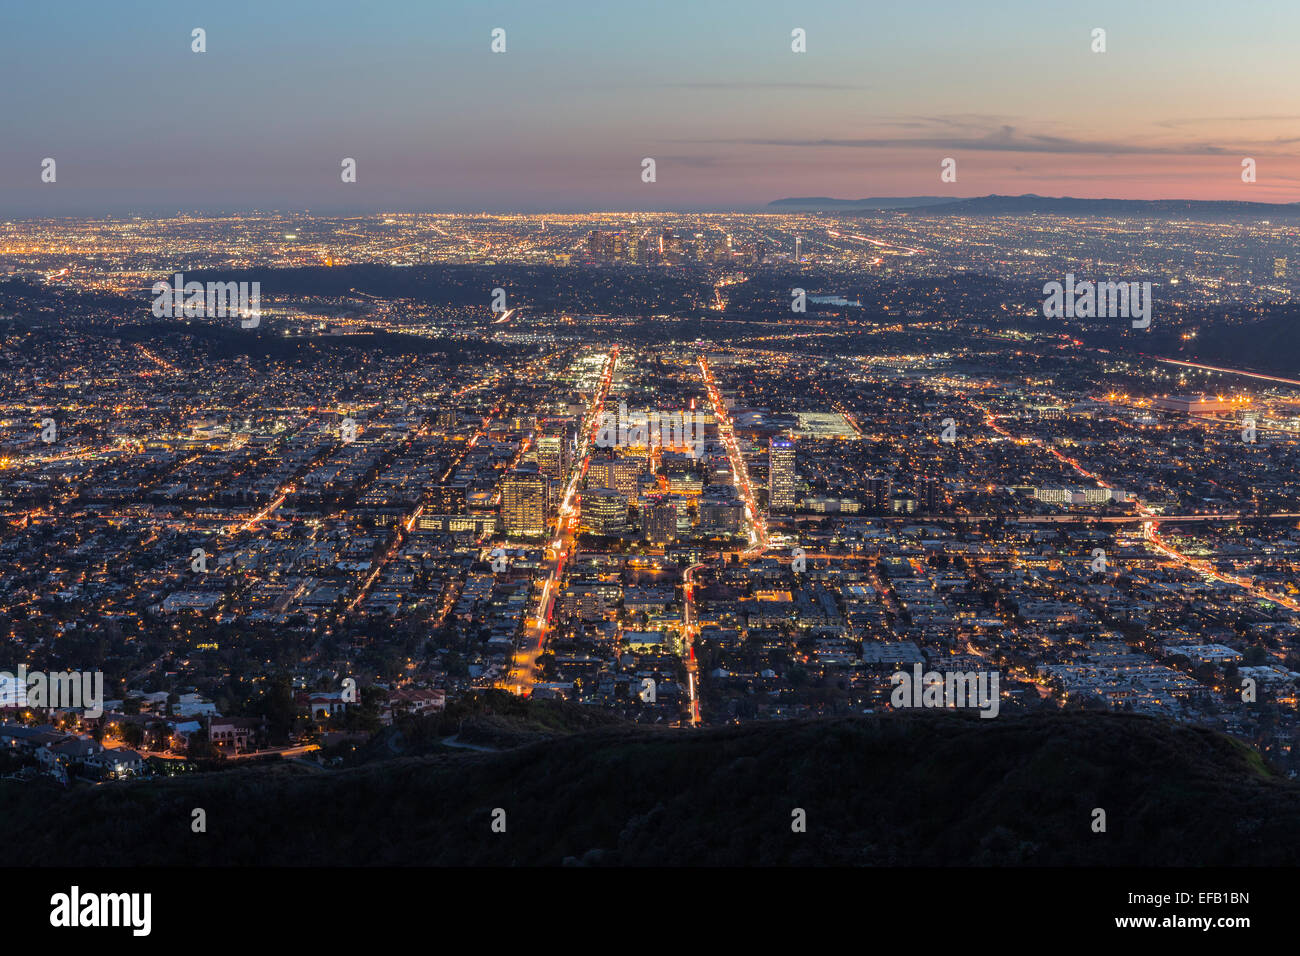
<point x="709" y="88"/>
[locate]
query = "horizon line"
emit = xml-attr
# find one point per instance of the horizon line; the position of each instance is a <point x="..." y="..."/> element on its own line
<point x="698" y="210"/>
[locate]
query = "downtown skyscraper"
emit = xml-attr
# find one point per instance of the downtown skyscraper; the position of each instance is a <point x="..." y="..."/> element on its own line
<point x="781" y="476"/>
<point x="524" y="503"/>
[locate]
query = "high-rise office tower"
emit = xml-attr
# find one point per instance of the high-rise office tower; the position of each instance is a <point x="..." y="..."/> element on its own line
<point x="624" y="474"/>
<point x="721" y="513"/>
<point x="604" y="511"/>
<point x="524" y="502"/>
<point x="553" y="456"/>
<point x="780" y="475"/>
<point x="659" y="518"/>
<point x="619" y="474"/>
<point x="600" y="473"/>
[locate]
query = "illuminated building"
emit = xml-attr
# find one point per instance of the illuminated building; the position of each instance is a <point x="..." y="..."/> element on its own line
<point x="553" y="456"/>
<point x="604" y="511"/>
<point x="1191" y="404"/>
<point x="659" y="519"/>
<point x="780" y="475"/>
<point x="524" y="503"/>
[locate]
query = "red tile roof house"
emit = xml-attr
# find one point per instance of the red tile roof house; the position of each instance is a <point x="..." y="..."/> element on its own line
<point x="231" y="734"/>
<point x="421" y="701"/>
<point x="324" y="704"/>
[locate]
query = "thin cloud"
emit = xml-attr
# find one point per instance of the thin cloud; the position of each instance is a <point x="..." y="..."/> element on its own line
<point x="1191" y="121"/>
<point x="691" y="161"/>
<point x="747" y="85"/>
<point x="1005" y="139"/>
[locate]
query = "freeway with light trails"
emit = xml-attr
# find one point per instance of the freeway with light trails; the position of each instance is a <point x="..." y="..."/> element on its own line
<point x="1151" y="526"/>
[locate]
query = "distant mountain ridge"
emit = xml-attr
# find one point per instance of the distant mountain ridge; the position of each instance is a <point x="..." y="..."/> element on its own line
<point x="893" y="202"/>
<point x="1031" y="204"/>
